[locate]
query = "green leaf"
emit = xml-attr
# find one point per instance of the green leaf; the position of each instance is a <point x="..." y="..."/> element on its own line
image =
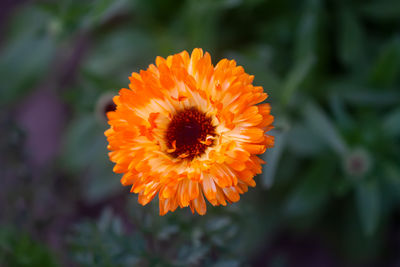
<point x="305" y="51"/>
<point x="102" y="243"/>
<point x="83" y="142"/>
<point x="307" y="32"/>
<point x="200" y="22"/>
<point x="192" y="255"/>
<point x="102" y="182"/>
<point x="272" y="157"/>
<point x="115" y="57"/>
<point x="391" y="173"/>
<point x="387" y="68"/>
<point x="84" y="149"/>
<point x="303" y="141"/>
<point x="354" y="93"/>
<point x="167" y="231"/>
<point x="324" y="127"/>
<point x="368" y="96"/>
<point x="342" y="187"/>
<point x="371" y="97"/>
<point x="311" y="193"/>
<point x="351" y="39"/>
<point x="339" y="111"/>
<point x="19" y="249"/>
<point x="102" y="10"/>
<point x="258" y="62"/>
<point x="295" y="77"/>
<point x="227" y="263"/>
<point x="391" y="122"/>
<point x="218" y="223"/>
<point x="26" y="57"/>
<point x="387" y="10"/>
<point x="368" y="205"/>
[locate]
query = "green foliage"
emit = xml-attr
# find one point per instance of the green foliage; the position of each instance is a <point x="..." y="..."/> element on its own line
<point x="26" y="55"/>
<point x="84" y="148"/>
<point x="387" y="68"/>
<point x="368" y="201"/>
<point x="18" y="249"/>
<point x="105" y="243"/>
<point x="176" y="241"/>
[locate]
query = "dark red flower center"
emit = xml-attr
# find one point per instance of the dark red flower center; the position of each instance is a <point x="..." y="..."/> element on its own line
<point x="189" y="133"/>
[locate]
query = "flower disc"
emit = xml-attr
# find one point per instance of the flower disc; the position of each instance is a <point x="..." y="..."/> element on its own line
<point x="186" y="129"/>
<point x="187" y="134"/>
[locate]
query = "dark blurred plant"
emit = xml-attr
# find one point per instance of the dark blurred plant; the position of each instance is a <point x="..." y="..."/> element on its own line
<point x="18" y="249"/>
<point x="177" y="241"/>
<point x="105" y="243"/>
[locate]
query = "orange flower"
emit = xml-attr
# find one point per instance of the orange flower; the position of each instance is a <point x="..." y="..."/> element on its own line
<point x="186" y="129"/>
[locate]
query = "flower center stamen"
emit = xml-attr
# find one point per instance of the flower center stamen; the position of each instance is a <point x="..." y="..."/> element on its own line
<point x="189" y="134"/>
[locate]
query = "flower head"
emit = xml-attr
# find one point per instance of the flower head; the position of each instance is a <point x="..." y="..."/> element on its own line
<point x="186" y="129"/>
<point x="357" y="163"/>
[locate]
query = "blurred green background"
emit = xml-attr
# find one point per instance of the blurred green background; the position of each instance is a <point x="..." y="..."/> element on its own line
<point x="329" y="195"/>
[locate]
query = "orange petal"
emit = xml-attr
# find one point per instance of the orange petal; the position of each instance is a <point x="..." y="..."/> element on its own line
<point x="231" y="193"/>
<point x="200" y="205"/>
<point x="209" y="188"/>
